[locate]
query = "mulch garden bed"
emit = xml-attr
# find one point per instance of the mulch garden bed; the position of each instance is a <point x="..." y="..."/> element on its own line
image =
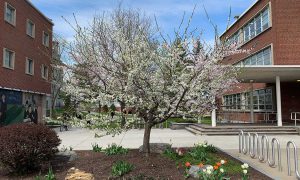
<point x="156" y="166"/>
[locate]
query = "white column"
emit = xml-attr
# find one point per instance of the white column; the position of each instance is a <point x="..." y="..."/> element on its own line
<point x="278" y="99"/>
<point x="251" y="103"/>
<point x="214" y="118"/>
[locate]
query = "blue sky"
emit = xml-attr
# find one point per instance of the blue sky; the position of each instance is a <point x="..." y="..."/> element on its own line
<point x="168" y="12"/>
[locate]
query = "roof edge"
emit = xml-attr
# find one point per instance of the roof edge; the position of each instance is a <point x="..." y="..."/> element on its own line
<point x="242" y="15"/>
<point x="34" y="7"/>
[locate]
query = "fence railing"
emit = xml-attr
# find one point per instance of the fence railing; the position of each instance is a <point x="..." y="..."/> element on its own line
<point x="225" y="114"/>
<point x="295" y="116"/>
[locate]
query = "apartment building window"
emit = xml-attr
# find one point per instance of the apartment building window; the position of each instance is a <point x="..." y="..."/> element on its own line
<point x="10" y="14"/>
<point x="30" y="29"/>
<point x="44" y="72"/>
<point x="253" y="28"/>
<point x="29" y="66"/>
<point x="260" y="58"/>
<point x="46" y="39"/>
<point x="232" y="101"/>
<point x="8" y="58"/>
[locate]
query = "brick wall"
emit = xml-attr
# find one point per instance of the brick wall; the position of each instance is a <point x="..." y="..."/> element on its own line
<point x="16" y="39"/>
<point x="283" y="35"/>
<point x="286" y="19"/>
<point x="290" y="99"/>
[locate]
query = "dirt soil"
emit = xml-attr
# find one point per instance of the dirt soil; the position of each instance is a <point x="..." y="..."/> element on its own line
<point x="153" y="167"/>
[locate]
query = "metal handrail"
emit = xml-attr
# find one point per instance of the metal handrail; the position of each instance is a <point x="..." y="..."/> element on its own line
<point x="294" y="117"/>
<point x="295" y="159"/>
<point x="272" y="160"/>
<point x="236" y="115"/>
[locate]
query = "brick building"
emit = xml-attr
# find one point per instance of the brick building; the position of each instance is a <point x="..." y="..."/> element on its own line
<point x="270" y="73"/>
<point x="26" y="51"/>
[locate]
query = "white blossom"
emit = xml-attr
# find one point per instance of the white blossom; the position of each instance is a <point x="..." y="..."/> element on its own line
<point x="221" y="170"/>
<point x="117" y="58"/>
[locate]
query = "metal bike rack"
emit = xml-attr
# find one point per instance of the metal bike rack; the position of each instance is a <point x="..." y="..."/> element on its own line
<point x="243" y="145"/>
<point x="253" y="150"/>
<point x="264" y="141"/>
<point x="272" y="160"/>
<point x="295" y="159"/>
<point x="249" y="142"/>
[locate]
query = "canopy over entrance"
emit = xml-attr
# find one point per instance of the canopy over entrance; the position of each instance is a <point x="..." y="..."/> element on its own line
<point x="267" y="74"/>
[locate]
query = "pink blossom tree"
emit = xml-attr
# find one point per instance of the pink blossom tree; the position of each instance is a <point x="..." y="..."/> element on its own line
<point x="121" y="57"/>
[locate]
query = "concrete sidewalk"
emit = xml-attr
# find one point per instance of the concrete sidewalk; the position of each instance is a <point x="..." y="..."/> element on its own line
<point x="265" y="168"/>
<point x="82" y="139"/>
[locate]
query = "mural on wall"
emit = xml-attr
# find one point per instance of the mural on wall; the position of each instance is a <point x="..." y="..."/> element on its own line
<point x="11" y="109"/>
<point x="31" y="112"/>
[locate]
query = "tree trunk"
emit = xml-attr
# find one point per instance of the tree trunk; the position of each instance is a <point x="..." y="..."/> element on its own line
<point x="123" y="121"/>
<point x="146" y="142"/>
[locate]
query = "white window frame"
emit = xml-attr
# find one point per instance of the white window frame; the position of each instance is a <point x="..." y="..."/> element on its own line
<point x="7" y="5"/>
<point x="45" y="43"/>
<point x="13" y="59"/>
<point x="33" y="30"/>
<point x="43" y="71"/>
<point x="27" y="66"/>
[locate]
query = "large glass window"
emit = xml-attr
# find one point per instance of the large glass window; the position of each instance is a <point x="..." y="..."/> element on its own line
<point x="265" y="19"/>
<point x="260" y="58"/>
<point x="253" y="28"/>
<point x="262" y="100"/>
<point x="232" y="101"/>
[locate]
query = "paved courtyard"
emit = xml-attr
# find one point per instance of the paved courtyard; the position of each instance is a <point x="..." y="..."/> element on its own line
<point x="82" y="139"/>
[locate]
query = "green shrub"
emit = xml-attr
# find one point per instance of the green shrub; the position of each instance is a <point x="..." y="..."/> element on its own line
<point x="199" y="153"/>
<point x="115" y="149"/>
<point x="96" y="148"/>
<point x="211" y="148"/>
<point x="120" y="168"/>
<point x="168" y="152"/>
<point x="50" y="175"/>
<point x="24" y="147"/>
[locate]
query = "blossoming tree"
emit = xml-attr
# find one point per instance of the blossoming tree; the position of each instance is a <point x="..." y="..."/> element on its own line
<point x="120" y="57"/>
